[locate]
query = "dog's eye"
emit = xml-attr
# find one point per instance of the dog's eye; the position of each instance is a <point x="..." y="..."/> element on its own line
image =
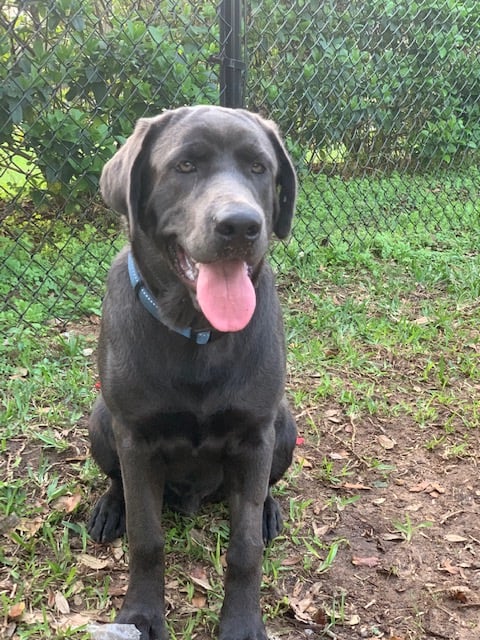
<point x="257" y="167"/>
<point x="185" y="166"/>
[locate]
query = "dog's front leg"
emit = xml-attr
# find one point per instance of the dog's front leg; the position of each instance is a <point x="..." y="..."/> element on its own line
<point x="143" y="483"/>
<point x="248" y="476"/>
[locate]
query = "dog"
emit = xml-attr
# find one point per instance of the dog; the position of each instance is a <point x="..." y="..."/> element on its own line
<point x="191" y="352"/>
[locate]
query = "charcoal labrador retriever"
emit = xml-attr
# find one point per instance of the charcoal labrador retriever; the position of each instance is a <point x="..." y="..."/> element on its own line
<point x="191" y="351"/>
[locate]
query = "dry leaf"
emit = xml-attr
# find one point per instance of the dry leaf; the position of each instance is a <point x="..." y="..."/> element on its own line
<point x="61" y="604"/>
<point x="30" y="526"/>
<point x="338" y="455"/>
<point x="453" y="537"/>
<point x="358" y="486"/>
<point x="67" y="504"/>
<point x="73" y="621"/>
<point x="304" y="462"/>
<point x="292" y="560"/>
<point x="418" y="488"/>
<point x="321" y="530"/>
<point x="198" y="576"/>
<point x="449" y="568"/>
<point x="199" y="600"/>
<point x="371" y="561"/>
<point x="437" y="487"/>
<point x="422" y="320"/>
<point x="117" y="549"/>
<point x="330" y="413"/>
<point x="92" y="562"/>
<point x="300" y="607"/>
<point x="460" y="593"/>
<point x="385" y="442"/>
<point x="320" y="617"/>
<point x="392" y="536"/>
<point x="20" y="372"/>
<point x="16" y="610"/>
<point x="353" y="620"/>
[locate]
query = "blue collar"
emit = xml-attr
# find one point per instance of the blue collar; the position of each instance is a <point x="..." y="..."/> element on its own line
<point x="145" y="296"/>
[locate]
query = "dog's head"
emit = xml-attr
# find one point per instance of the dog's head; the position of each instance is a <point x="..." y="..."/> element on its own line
<point x="203" y="189"/>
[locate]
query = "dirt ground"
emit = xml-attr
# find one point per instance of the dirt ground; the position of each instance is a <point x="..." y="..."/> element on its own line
<point x="410" y="563"/>
<point x="404" y="521"/>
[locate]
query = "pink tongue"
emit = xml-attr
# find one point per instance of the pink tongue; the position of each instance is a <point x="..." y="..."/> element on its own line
<point x="226" y="294"/>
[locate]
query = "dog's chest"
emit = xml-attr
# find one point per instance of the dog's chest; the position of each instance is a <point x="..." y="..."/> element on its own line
<point x="194" y="454"/>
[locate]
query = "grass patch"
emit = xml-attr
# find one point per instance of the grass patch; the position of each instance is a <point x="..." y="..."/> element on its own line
<point x="384" y="374"/>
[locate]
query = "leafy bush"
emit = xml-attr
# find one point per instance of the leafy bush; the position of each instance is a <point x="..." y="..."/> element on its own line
<point x="74" y="79"/>
<point x="370" y="83"/>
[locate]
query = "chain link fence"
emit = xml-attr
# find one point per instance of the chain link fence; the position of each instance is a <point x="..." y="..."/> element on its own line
<point x="379" y="102"/>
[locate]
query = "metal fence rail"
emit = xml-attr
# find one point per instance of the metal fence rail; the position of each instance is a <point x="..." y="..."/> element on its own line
<point x="379" y="102"/>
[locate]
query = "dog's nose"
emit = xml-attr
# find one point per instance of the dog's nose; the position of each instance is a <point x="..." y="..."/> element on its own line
<point x="239" y="226"/>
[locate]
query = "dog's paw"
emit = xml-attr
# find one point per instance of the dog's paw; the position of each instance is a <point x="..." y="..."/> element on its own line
<point x="272" y="519"/>
<point x="150" y="625"/>
<point x="242" y="626"/>
<point x="107" y="521"/>
<point x="244" y="634"/>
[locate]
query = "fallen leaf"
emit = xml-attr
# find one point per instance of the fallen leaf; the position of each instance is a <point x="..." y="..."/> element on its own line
<point x="117" y="549"/>
<point x="16" y="611"/>
<point x="304" y="462"/>
<point x="198" y="576"/>
<point x="393" y="536"/>
<point x="371" y="561"/>
<point x="416" y="506"/>
<point x="461" y="594"/>
<point x="331" y="412"/>
<point x="117" y="590"/>
<point x="453" y="537"/>
<point x="199" y="600"/>
<point x="437" y="488"/>
<point x="73" y="621"/>
<point x="19" y="372"/>
<point x="356" y="486"/>
<point x="321" y="530"/>
<point x="92" y="562"/>
<point x="449" y="568"/>
<point x="353" y="620"/>
<point x="67" y="504"/>
<point x="30" y="526"/>
<point x="385" y="442"/>
<point x="338" y="455"/>
<point x="320" y="617"/>
<point x="421" y="486"/>
<point x="61" y="603"/>
<point x="333" y="415"/>
<point x="421" y="320"/>
<point x="300" y="607"/>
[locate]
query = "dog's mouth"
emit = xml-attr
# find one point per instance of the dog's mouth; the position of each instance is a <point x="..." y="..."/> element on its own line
<point x="224" y="289"/>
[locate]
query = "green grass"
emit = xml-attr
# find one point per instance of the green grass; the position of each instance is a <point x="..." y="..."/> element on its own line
<point x="381" y="325"/>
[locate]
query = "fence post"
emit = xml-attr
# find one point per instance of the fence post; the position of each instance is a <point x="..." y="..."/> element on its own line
<point x="232" y="64"/>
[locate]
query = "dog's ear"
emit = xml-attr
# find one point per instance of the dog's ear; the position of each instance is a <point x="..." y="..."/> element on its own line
<point x="286" y="183"/>
<point x="124" y="174"/>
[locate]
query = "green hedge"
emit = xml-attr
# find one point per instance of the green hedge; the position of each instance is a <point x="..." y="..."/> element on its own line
<point x="74" y="79"/>
<point x="355" y="85"/>
<point x="370" y="83"/>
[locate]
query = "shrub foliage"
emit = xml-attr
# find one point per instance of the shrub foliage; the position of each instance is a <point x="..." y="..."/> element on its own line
<point x="355" y="85"/>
